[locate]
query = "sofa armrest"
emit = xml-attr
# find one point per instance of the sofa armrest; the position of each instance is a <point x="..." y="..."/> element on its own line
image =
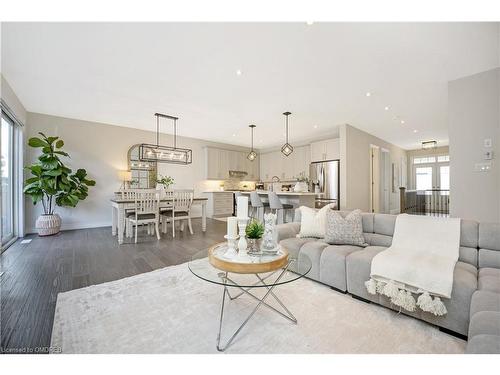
<point x="288" y="230"/>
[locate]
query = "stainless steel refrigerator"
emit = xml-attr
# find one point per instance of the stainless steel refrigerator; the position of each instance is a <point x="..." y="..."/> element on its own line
<point x="324" y="180"/>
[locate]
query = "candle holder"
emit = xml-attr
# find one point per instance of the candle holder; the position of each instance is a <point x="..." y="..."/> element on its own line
<point x="231" y="246"/>
<point x="242" y="243"/>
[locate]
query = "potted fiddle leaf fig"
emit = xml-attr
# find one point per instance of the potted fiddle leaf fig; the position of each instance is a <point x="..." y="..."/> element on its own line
<point x="53" y="183"/>
<point x="254" y="232"/>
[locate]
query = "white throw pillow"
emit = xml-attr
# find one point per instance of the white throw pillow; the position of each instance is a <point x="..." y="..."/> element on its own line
<point x="313" y="222"/>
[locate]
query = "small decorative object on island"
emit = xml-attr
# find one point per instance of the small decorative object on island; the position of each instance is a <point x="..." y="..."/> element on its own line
<point x="54" y="183"/>
<point x="242" y="215"/>
<point x="270" y="240"/>
<point x="302" y="185"/>
<point x="231" y="237"/>
<point x="254" y="232"/>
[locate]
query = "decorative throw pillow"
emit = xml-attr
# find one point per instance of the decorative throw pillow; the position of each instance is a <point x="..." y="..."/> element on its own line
<point x="312" y="222"/>
<point x="344" y="230"/>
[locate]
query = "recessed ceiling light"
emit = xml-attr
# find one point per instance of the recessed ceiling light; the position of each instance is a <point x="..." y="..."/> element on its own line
<point x="368" y="94"/>
<point x="386" y="108"/>
<point x="415" y="131"/>
<point x="402" y="121"/>
<point x="238" y="72"/>
<point x="234" y="135"/>
<point x="309" y="22"/>
<point x="315" y="126"/>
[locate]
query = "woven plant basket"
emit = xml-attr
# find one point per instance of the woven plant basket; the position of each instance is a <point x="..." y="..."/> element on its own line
<point x="48" y="225"/>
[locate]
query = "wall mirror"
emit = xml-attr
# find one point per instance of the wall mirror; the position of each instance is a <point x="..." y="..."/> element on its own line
<point x="144" y="173"/>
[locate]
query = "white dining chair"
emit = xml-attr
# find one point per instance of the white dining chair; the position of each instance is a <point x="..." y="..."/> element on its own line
<point x="147" y="206"/>
<point x="165" y="211"/>
<point x="182" y="201"/>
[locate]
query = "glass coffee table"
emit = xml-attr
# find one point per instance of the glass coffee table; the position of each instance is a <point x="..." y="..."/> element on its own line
<point x="242" y="275"/>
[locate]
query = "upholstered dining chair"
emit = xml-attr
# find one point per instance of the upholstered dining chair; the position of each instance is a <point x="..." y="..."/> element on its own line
<point x="182" y="200"/>
<point x="147" y="205"/>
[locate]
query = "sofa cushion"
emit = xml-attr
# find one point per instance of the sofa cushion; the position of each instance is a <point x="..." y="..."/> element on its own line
<point x="313" y="250"/>
<point x="468" y="255"/>
<point x="483" y="300"/>
<point x="489" y="236"/>
<point x="384" y="224"/>
<point x="489" y="279"/>
<point x="483" y="344"/>
<point x="469" y="233"/>
<point x="485" y="323"/>
<point x="293" y="245"/>
<point x="346" y="230"/>
<point x="375" y="239"/>
<point x="333" y="265"/>
<point x="467" y="267"/>
<point x="489" y="283"/>
<point x="489" y="258"/>
<point x="358" y="267"/>
<point x="367" y="219"/>
<point x="288" y="230"/>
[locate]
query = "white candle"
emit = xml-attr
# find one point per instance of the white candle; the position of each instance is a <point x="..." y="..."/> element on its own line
<point x="232" y="226"/>
<point x="242" y="207"/>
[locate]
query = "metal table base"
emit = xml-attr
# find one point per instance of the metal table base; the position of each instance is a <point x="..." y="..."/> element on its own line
<point x="229" y="283"/>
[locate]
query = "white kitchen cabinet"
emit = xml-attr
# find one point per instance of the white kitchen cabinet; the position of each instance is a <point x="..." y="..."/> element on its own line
<point x="219" y="162"/>
<point x="285" y="168"/>
<point x="219" y="204"/>
<point x="325" y="150"/>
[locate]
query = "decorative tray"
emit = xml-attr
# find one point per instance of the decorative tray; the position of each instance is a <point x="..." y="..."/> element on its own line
<point x="246" y="263"/>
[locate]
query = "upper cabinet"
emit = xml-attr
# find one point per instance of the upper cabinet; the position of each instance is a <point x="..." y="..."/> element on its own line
<point x="286" y="168"/>
<point x="218" y="163"/>
<point x="325" y="150"/>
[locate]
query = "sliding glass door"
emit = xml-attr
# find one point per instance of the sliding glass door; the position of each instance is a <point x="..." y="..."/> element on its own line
<point x="8" y="181"/>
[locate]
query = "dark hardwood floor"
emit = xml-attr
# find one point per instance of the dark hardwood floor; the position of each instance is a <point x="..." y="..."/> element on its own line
<point x="35" y="273"/>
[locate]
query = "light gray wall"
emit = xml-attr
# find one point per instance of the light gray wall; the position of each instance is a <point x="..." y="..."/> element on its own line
<point x="473" y="106"/>
<point x="102" y="150"/>
<point x="355" y="168"/>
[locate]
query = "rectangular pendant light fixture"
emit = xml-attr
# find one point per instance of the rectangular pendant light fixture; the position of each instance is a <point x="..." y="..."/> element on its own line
<point x="165" y="154"/>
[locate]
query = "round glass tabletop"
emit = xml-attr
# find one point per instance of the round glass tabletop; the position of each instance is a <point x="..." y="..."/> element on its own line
<point x="293" y="269"/>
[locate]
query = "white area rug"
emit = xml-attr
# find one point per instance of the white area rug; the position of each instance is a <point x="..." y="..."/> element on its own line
<point x="171" y="311"/>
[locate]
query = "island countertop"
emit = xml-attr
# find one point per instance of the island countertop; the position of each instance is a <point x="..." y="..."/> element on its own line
<point x="263" y="192"/>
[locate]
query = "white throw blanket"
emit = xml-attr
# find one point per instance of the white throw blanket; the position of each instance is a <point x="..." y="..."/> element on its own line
<point x="421" y="260"/>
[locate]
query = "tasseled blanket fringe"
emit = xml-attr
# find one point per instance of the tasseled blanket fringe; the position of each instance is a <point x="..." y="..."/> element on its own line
<point x="404" y="299"/>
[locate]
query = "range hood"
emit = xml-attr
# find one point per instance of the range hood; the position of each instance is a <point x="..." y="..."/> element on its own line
<point x="237" y="174"/>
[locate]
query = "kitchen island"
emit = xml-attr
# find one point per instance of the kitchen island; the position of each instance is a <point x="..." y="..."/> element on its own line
<point x="221" y="202"/>
<point x="290" y="197"/>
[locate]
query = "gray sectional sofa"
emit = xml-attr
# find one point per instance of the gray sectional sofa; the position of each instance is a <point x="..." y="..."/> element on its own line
<point x="476" y="287"/>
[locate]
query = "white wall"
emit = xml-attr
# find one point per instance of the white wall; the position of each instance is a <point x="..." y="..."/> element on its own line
<point x="102" y="150"/>
<point x="11" y="99"/>
<point x="474" y="105"/>
<point x="355" y="168"/>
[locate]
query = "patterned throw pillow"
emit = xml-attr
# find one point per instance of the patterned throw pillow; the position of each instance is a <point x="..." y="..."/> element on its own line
<point x="313" y="222"/>
<point x="344" y="230"/>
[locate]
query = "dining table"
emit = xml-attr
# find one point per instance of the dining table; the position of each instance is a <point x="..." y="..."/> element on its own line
<point x="119" y="207"/>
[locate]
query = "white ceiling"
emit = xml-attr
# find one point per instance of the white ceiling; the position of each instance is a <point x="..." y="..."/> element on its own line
<point x="122" y="73"/>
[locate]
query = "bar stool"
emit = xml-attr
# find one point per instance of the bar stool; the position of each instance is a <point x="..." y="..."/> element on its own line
<point x="258" y="207"/>
<point x="278" y="207"/>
